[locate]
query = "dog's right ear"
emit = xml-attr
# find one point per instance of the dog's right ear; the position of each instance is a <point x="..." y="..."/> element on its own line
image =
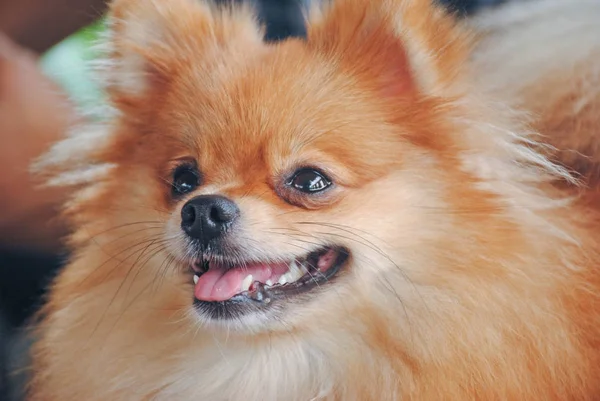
<point x="149" y="41"/>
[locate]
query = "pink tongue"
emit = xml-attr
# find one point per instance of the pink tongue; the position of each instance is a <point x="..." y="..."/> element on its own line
<point x="218" y="284"/>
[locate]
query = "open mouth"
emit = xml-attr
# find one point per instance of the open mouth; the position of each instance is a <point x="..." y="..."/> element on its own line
<point x="262" y="282"/>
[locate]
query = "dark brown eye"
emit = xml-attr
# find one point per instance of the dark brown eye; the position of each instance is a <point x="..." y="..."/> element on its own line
<point x="186" y="178"/>
<point x="309" y="181"/>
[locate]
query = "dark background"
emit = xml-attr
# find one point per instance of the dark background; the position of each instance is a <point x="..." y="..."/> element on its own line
<point x="38" y="25"/>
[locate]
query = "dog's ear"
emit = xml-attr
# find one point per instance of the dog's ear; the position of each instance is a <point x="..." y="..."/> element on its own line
<point x="148" y="41"/>
<point x="403" y="46"/>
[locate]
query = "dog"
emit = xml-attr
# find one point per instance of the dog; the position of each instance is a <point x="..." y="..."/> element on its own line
<point x="400" y="206"/>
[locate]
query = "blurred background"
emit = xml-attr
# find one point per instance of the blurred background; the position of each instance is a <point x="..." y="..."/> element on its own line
<point x="44" y="49"/>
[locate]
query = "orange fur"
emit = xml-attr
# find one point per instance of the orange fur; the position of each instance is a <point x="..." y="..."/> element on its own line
<point x="471" y="276"/>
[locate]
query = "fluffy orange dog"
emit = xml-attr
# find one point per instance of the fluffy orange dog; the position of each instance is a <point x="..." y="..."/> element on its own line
<point x="362" y="214"/>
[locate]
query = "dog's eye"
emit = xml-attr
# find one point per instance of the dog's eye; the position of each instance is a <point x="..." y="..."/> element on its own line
<point x="185" y="179"/>
<point x="309" y="181"/>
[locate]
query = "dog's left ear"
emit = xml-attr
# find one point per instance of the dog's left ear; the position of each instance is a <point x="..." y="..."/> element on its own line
<point x="400" y="46"/>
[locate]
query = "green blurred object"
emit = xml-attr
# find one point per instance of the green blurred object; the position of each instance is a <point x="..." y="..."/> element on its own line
<point x="67" y="63"/>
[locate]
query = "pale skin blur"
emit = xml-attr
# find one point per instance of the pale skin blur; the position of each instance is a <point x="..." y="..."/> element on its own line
<point x="34" y="113"/>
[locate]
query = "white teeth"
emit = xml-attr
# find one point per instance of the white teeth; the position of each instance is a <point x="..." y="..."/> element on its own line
<point x="269" y="283"/>
<point x="246" y="283"/>
<point x="294" y="267"/>
<point x="288" y="277"/>
<point x="196" y="278"/>
<point x="295" y="273"/>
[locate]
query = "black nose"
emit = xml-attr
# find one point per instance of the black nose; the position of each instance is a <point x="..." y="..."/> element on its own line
<point x="207" y="217"/>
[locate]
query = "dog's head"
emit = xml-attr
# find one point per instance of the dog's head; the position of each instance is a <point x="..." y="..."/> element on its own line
<point x="318" y="179"/>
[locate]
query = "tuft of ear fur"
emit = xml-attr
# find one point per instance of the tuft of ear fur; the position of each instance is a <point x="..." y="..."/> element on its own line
<point x="392" y="40"/>
<point x="150" y="40"/>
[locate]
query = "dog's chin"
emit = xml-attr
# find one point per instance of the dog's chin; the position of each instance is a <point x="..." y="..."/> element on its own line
<point x="257" y="294"/>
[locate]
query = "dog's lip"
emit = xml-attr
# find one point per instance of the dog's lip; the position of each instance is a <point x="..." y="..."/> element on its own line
<point x="262" y="294"/>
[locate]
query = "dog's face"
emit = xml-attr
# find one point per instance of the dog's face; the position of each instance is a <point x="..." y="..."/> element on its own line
<point x="280" y="197"/>
<point x="304" y="180"/>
